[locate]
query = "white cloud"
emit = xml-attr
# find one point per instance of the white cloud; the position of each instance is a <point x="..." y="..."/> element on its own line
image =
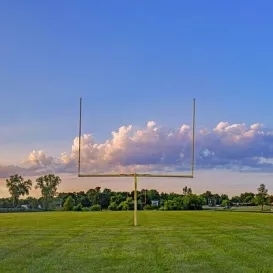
<point x="156" y="148"/>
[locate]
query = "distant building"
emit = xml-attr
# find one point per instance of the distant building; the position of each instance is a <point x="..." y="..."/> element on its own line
<point x="155" y="203"/>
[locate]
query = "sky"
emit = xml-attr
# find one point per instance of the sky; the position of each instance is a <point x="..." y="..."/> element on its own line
<point x="137" y="65"/>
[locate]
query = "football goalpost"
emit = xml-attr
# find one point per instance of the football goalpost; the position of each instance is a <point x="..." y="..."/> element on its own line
<point x="136" y="175"/>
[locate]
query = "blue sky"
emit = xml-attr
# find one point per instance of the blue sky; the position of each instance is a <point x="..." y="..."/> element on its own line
<point x="132" y="62"/>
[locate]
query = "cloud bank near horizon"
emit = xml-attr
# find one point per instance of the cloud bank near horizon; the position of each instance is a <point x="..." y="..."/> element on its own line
<point x="160" y="149"/>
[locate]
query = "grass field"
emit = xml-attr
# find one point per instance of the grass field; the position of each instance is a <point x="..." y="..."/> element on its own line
<point x="201" y="241"/>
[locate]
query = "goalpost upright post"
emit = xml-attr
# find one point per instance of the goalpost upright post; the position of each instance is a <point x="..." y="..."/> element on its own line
<point x="136" y="175"/>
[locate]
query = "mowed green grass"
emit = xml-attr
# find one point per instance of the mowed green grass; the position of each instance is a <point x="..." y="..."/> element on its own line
<point x="201" y="241"/>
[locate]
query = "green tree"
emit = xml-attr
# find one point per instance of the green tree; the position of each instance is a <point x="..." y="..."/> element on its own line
<point x="193" y="202"/>
<point x="262" y="196"/>
<point x="85" y="202"/>
<point x="179" y="202"/>
<point x="207" y="196"/>
<point x="152" y="195"/>
<point x="270" y="201"/>
<point x="48" y="184"/>
<point x="235" y="199"/>
<point x="68" y="203"/>
<point x="187" y="191"/>
<point x="107" y="191"/>
<point x="217" y="199"/>
<point x="170" y="205"/>
<point x="247" y="197"/>
<point x="103" y="199"/>
<point x="32" y="202"/>
<point x="17" y="187"/>
<point x="78" y="197"/>
<point x="225" y="203"/>
<point x="92" y="195"/>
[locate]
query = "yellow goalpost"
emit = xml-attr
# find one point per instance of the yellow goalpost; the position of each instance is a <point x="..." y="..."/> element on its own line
<point x="136" y="175"/>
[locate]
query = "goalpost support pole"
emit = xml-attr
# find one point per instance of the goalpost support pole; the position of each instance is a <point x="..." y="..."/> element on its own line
<point x="80" y="135"/>
<point x="193" y="138"/>
<point x="135" y="200"/>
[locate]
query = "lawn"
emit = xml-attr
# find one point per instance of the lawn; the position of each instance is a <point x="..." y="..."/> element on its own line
<point x="200" y="241"/>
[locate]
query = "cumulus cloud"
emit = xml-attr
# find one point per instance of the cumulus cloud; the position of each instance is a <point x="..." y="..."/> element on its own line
<point x="161" y="149"/>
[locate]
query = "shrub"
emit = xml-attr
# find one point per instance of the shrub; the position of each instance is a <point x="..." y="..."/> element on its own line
<point x="123" y="206"/>
<point x="148" y="207"/>
<point x="85" y="209"/>
<point x="78" y="207"/>
<point x="113" y="206"/>
<point x="95" y="208"/>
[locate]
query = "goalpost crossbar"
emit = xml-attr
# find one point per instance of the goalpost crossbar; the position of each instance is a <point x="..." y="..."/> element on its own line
<point x="138" y="175"/>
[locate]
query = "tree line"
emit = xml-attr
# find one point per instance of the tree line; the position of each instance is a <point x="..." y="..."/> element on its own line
<point x="105" y="199"/>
